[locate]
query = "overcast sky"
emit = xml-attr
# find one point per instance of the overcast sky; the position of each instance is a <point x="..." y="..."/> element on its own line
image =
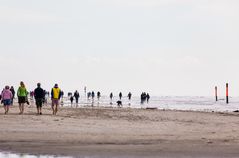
<point x="165" y="47"/>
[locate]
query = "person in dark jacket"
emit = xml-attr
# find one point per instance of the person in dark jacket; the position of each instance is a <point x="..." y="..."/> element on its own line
<point x="13" y="94"/>
<point x="39" y="95"/>
<point x="120" y="95"/>
<point x="72" y="99"/>
<point x="98" y="95"/>
<point x="129" y="96"/>
<point x="77" y="96"/>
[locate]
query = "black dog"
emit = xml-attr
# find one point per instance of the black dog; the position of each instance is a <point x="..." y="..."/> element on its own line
<point x="119" y="103"/>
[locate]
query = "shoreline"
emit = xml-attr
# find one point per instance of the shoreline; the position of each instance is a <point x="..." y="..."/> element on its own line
<point x="120" y="132"/>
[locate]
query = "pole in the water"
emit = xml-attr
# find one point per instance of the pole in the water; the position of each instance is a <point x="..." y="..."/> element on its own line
<point x="227" y="98"/>
<point x="216" y="93"/>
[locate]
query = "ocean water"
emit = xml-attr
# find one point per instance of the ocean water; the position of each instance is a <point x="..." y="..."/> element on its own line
<point x="196" y="103"/>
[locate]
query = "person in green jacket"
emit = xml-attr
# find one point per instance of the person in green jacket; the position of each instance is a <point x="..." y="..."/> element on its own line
<point x="22" y="96"/>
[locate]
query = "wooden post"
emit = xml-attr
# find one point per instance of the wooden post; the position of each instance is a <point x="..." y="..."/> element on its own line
<point x="216" y="93"/>
<point x="227" y="98"/>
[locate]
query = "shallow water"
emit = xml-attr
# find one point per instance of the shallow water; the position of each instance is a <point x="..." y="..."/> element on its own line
<point x="15" y="155"/>
<point x="166" y="102"/>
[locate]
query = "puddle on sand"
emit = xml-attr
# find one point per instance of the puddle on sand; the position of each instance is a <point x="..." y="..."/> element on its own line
<point x="16" y="155"/>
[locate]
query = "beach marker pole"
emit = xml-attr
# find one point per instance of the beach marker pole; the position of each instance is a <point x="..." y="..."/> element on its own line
<point x="216" y="93"/>
<point x="227" y="98"/>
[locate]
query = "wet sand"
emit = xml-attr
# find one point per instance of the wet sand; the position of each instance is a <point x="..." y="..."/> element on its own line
<point x="125" y="132"/>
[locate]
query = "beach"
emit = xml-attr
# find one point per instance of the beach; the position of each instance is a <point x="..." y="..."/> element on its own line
<point x="120" y="132"/>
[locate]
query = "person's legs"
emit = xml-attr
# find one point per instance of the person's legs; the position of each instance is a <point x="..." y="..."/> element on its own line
<point x="22" y="108"/>
<point x="8" y="108"/>
<point x="21" y="101"/>
<point x="12" y="101"/>
<point x="40" y="106"/>
<point x="5" y="108"/>
<point x="53" y="109"/>
<point x="37" y="106"/>
<point x="40" y="110"/>
<point x="77" y="101"/>
<point x="56" y="109"/>
<point x="57" y="102"/>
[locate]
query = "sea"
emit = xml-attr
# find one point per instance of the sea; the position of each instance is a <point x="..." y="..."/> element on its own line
<point x="185" y="103"/>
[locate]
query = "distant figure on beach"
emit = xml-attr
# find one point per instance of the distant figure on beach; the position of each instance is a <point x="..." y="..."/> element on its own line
<point x="22" y="96"/>
<point x="39" y="95"/>
<point x="98" y="95"/>
<point x="77" y="96"/>
<point x="147" y="97"/>
<point x="93" y="95"/>
<point x="129" y="96"/>
<point x="88" y="95"/>
<point x="111" y="98"/>
<point x="45" y="97"/>
<point x="55" y="97"/>
<point x="62" y="97"/>
<point x="69" y="94"/>
<point x="31" y="95"/>
<point x="120" y="95"/>
<point x="6" y="98"/>
<point x="143" y="97"/>
<point x="62" y="94"/>
<point x="13" y="94"/>
<point x="71" y="99"/>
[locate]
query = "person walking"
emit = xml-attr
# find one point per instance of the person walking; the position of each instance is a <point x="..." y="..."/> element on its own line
<point x="129" y="96"/>
<point x="120" y="95"/>
<point x="22" y="96"/>
<point x="111" y="98"/>
<point x="55" y="97"/>
<point x="72" y="99"/>
<point x="92" y="95"/>
<point x="6" y="99"/>
<point x="77" y="96"/>
<point x="147" y="97"/>
<point x="98" y="95"/>
<point x="39" y="96"/>
<point x="13" y="94"/>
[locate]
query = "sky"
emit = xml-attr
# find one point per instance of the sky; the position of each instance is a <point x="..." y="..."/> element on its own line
<point x="164" y="47"/>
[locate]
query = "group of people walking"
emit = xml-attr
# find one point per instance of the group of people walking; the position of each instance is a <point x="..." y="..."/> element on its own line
<point x="76" y="96"/>
<point x="8" y="94"/>
<point x="144" y="97"/>
<point x="7" y="98"/>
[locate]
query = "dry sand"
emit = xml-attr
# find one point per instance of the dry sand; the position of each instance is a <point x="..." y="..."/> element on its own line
<point x="113" y="132"/>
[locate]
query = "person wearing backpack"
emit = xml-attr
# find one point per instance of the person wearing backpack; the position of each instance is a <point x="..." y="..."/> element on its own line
<point x="55" y="97"/>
